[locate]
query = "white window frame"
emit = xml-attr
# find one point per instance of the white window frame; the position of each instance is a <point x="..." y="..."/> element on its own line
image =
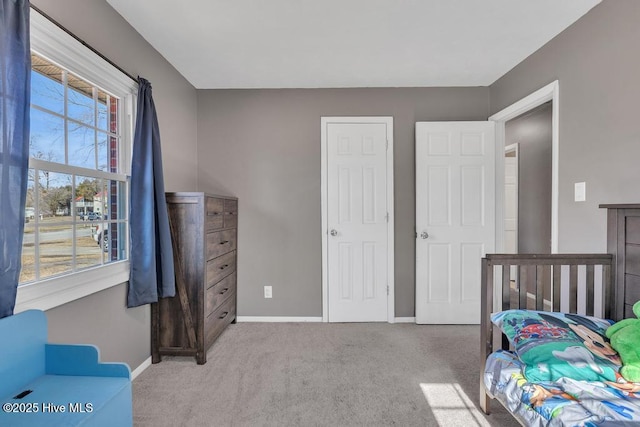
<point x="54" y="44"/>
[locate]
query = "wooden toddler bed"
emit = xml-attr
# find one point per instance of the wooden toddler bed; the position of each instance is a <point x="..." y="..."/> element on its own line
<point x="547" y="360"/>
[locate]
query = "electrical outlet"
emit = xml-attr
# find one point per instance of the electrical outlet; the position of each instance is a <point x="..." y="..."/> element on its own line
<point x="268" y="292"/>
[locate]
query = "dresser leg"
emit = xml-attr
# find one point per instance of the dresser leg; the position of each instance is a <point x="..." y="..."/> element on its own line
<point x="155" y="333"/>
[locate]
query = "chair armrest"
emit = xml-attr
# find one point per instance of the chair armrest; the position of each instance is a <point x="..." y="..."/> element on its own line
<point x="80" y="360"/>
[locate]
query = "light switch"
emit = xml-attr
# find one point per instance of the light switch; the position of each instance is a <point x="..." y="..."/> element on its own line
<point x="580" y="191"/>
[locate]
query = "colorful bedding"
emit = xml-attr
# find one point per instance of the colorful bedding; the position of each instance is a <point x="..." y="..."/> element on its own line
<point x="554" y="345"/>
<point x="564" y="402"/>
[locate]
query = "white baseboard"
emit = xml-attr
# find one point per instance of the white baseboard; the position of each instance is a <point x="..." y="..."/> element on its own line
<point x="405" y="320"/>
<point x="282" y="319"/>
<point x="140" y="369"/>
<point x="277" y="319"/>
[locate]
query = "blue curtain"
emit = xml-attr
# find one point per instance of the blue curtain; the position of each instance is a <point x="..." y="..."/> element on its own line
<point x="15" y="97"/>
<point x="152" y="270"/>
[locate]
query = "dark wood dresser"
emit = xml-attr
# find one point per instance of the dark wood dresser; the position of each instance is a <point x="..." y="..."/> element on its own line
<point x="623" y="242"/>
<point x="204" y="233"/>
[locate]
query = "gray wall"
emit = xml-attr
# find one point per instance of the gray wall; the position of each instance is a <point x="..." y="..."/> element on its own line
<point x="532" y="132"/>
<point x="264" y="147"/>
<point x="597" y="65"/>
<point x="121" y="334"/>
<point x="102" y="319"/>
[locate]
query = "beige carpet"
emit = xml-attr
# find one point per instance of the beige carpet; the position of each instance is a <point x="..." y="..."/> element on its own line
<point x="314" y="374"/>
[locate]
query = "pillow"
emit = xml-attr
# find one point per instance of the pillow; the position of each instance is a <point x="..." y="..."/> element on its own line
<point x="553" y="345"/>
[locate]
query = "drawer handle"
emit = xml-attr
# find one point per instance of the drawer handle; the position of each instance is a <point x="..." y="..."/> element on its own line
<point x="213" y="213"/>
<point x="224" y="242"/>
<point x="230" y="213"/>
<point x="223" y="315"/>
<point x="224" y="290"/>
<point x="224" y="266"/>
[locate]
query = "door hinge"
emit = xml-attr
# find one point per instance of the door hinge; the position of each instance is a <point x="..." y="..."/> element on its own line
<point x="387" y="216"/>
<point x="387" y="289"/>
<point x="387" y="144"/>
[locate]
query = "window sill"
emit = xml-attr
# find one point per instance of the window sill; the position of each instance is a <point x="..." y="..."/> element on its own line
<point x="56" y="291"/>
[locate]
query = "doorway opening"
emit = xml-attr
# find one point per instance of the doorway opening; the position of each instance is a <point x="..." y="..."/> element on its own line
<point x="545" y="102"/>
<point x="527" y="180"/>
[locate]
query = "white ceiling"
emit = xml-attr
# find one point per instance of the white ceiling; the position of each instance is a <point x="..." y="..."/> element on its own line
<point x="347" y="43"/>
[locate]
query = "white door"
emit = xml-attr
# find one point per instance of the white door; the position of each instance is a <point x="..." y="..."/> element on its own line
<point x="357" y="238"/>
<point x="511" y="199"/>
<point x="455" y="218"/>
<point x="511" y="182"/>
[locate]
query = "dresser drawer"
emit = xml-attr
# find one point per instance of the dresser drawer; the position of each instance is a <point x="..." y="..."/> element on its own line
<point x="632" y="260"/>
<point x="214" y="213"/>
<point x="632" y="230"/>
<point x="219" y="292"/>
<point x="220" y="242"/>
<point x="220" y="267"/>
<point x="230" y="213"/>
<point x="632" y="289"/>
<point x="219" y="319"/>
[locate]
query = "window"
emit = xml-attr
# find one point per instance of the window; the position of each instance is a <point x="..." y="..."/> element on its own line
<point x="76" y="194"/>
<point x="76" y="230"/>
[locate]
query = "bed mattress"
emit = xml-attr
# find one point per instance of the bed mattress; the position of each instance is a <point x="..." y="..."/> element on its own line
<point x="565" y="402"/>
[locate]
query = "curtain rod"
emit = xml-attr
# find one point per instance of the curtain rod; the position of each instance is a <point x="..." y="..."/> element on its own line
<point x="85" y="44"/>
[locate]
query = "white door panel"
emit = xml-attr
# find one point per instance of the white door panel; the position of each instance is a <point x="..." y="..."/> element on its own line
<point x="455" y="218"/>
<point x="511" y="204"/>
<point x="357" y="222"/>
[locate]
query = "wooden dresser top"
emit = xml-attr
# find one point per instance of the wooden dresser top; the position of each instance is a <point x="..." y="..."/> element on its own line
<point x="622" y="206"/>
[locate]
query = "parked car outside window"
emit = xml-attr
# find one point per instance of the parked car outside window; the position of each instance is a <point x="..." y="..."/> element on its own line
<point x="90" y="216"/>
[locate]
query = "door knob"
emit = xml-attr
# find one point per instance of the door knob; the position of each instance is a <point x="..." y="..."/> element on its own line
<point x="424" y="235"/>
<point x="334" y="232"/>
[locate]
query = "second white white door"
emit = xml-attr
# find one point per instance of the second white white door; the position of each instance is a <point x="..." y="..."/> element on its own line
<point x="357" y="221"/>
<point x="455" y="218"/>
<point x="511" y="200"/>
